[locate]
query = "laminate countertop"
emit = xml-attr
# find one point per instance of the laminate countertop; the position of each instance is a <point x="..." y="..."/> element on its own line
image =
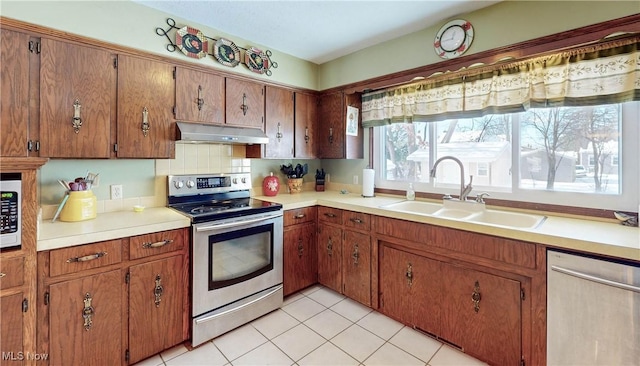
<point x="606" y="238"/>
<point x="108" y="226"/>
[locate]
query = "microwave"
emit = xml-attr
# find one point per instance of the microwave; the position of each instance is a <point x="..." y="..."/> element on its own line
<point x="11" y="210"/>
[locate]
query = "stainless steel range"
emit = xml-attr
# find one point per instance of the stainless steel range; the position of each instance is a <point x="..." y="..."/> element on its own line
<point x="236" y="251"/>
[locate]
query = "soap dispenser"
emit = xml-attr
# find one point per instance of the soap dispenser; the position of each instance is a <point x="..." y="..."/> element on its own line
<point x="411" y="194"/>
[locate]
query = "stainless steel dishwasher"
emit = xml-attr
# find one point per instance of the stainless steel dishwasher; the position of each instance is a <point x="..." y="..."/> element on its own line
<point x="593" y="311"/>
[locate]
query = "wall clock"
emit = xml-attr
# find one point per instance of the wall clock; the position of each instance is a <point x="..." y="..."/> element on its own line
<point x="453" y="39"/>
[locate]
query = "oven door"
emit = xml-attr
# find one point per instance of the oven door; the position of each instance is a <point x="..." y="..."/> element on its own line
<point x="234" y="259"/>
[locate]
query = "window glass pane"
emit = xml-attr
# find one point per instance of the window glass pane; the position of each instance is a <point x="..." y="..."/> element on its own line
<point x="483" y="145"/>
<point x="404" y="145"/>
<point x="571" y="149"/>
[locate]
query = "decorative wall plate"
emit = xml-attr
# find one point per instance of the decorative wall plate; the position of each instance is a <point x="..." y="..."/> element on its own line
<point x="256" y="60"/>
<point x="192" y="42"/>
<point x="226" y="52"/>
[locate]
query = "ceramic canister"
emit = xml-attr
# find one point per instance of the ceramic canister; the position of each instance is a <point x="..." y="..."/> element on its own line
<point x="270" y="185"/>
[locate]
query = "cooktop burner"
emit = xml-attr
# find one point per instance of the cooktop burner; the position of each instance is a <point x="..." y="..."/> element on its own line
<point x="217" y="210"/>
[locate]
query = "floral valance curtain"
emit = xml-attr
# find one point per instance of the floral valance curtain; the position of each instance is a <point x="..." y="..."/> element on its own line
<point x="600" y="74"/>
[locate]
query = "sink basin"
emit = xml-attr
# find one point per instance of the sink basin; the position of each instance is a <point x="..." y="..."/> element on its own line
<point x="417" y="207"/>
<point x="508" y="219"/>
<point x="453" y="213"/>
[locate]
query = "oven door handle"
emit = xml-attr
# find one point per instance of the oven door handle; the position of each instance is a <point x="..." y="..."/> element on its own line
<point x="233" y="224"/>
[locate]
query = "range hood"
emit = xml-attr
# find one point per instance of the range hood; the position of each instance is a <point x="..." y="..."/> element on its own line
<point x="212" y="134"/>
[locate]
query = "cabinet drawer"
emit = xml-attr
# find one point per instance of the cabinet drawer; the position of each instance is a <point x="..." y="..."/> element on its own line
<point x="299" y="216"/>
<point x="328" y="214"/>
<point x="155" y="243"/>
<point x="11" y="272"/>
<point x="356" y="220"/>
<point x="83" y="257"/>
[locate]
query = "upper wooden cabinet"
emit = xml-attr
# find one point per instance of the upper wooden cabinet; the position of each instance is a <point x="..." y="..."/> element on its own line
<point x="77" y="92"/>
<point x="145" y="104"/>
<point x="306" y="116"/>
<point x="244" y="104"/>
<point x="200" y="96"/>
<point x="279" y="123"/>
<point x="14" y="105"/>
<point x="333" y="140"/>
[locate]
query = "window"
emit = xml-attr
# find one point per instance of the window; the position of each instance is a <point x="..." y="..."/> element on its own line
<point x="530" y="156"/>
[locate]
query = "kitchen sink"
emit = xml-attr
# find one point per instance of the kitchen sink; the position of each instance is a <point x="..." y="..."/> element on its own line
<point x="417" y="207"/>
<point x="468" y="211"/>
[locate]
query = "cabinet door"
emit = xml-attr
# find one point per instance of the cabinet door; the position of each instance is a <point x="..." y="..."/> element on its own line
<point x="11" y="327"/>
<point x="85" y="321"/>
<point x="77" y="86"/>
<point x="482" y="314"/>
<point x="426" y="292"/>
<point x="306" y="116"/>
<point x="155" y="307"/>
<point x="394" y="281"/>
<point x="199" y="96"/>
<point x="146" y="92"/>
<point x="300" y="258"/>
<point x="14" y="105"/>
<point x="356" y="266"/>
<point x="330" y="257"/>
<point x="279" y="123"/>
<point x="244" y="104"/>
<point x="331" y="127"/>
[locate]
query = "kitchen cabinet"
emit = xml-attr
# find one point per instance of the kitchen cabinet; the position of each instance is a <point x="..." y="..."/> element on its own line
<point x="305" y="125"/>
<point x="333" y="140"/>
<point x="77" y="94"/>
<point x="244" y="101"/>
<point x="278" y="125"/>
<point x="18" y="271"/>
<point x="146" y="92"/>
<point x="344" y="253"/>
<point x="200" y="96"/>
<point x="114" y="302"/>
<point x="467" y="289"/>
<point x="300" y="258"/>
<point x="15" y="60"/>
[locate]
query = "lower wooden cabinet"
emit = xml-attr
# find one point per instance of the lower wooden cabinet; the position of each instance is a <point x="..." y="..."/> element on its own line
<point x="300" y="261"/>
<point x="330" y="256"/>
<point x="12" y="327"/>
<point x="85" y="320"/>
<point x="356" y="266"/>
<point x="107" y="303"/>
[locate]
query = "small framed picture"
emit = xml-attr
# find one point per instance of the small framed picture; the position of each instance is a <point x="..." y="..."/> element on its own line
<point x="352" y="121"/>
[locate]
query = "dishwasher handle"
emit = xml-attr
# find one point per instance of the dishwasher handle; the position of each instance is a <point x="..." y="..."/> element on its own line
<point x="599" y="280"/>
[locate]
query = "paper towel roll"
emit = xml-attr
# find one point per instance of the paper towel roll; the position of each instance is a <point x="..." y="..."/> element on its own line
<point x="367" y="182"/>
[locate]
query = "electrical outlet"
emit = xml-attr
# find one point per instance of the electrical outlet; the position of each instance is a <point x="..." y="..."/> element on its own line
<point x="116" y="191"/>
<point x="355" y="179"/>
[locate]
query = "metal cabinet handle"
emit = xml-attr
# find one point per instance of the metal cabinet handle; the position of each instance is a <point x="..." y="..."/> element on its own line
<point x="476" y="297"/>
<point x="306" y="135"/>
<point x="409" y="274"/>
<point x="158" y="290"/>
<point x="355" y="255"/>
<point x="278" y="134"/>
<point x="146" y="126"/>
<point x="356" y="221"/>
<point x="244" y="105"/>
<point x="331" y="135"/>
<point x="158" y="244"/>
<point x="2" y="274"/>
<point x="300" y="248"/>
<point x="87" y="312"/>
<point x="330" y="247"/>
<point x="329" y="214"/>
<point x="299" y="216"/>
<point x="76" y="122"/>
<point x="86" y="257"/>
<point x="199" y="100"/>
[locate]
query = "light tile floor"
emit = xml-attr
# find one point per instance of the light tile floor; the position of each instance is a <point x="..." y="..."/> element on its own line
<point x="318" y="327"/>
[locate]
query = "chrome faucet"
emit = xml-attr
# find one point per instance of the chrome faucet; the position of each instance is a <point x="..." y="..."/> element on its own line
<point x="464" y="190"/>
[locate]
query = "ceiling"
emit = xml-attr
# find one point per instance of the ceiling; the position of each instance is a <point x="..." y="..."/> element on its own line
<point x="317" y="31"/>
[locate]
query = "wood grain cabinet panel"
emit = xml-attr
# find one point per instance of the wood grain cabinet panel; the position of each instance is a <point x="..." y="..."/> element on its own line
<point x="305" y="122"/>
<point x="11" y="272"/>
<point x="333" y="140"/>
<point x="244" y="103"/>
<point x="146" y="92"/>
<point x="279" y="123"/>
<point x="330" y="256"/>
<point x="85" y="320"/>
<point x="12" y="327"/>
<point x="70" y="73"/>
<point x="79" y="258"/>
<point x="300" y="216"/>
<point x="155" y="307"/>
<point x="356" y="266"/>
<point x="199" y="96"/>
<point x="156" y="243"/>
<point x="14" y="83"/>
<point x="300" y="257"/>
<point x="330" y="215"/>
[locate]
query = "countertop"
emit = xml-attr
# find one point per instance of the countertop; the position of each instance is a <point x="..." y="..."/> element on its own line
<point x="596" y="237"/>
<point x="108" y="226"/>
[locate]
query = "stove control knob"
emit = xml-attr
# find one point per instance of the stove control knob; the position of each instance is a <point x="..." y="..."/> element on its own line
<point x="243" y="180"/>
<point x="178" y="184"/>
<point x="190" y="184"/>
<point x="235" y="180"/>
